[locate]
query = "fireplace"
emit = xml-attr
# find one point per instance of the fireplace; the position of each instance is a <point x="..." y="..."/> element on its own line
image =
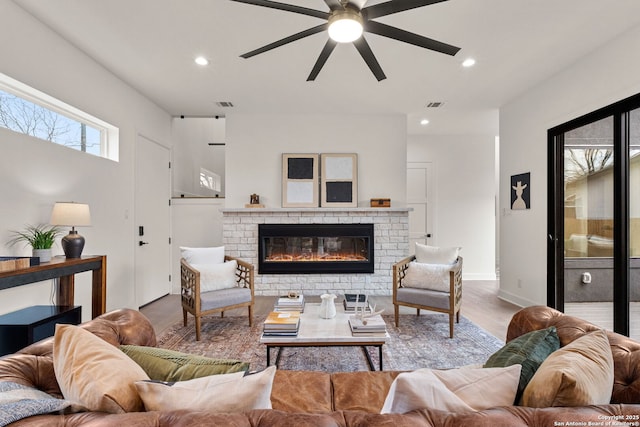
<point x="315" y="248"/>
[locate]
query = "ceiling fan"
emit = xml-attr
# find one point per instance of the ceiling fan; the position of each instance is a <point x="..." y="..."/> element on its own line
<point x="347" y="15"/>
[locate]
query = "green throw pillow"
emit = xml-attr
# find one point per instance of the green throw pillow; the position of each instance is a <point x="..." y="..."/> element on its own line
<point x="528" y="350"/>
<point x="168" y="365"/>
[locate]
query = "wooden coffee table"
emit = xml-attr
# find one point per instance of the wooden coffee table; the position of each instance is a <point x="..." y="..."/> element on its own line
<point x="315" y="331"/>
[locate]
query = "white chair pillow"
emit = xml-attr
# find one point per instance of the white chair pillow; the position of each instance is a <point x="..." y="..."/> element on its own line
<point x="427" y="276"/>
<point x="203" y="255"/>
<point x="436" y="255"/>
<point x="214" y="277"/>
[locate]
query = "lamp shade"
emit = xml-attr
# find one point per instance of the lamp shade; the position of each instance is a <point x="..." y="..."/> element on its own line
<point x="71" y="214"/>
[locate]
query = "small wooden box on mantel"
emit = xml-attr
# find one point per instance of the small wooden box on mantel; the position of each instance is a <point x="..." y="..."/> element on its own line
<point x="380" y="203"/>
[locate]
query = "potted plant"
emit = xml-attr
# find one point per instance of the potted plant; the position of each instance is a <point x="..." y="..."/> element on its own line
<point x="40" y="237"/>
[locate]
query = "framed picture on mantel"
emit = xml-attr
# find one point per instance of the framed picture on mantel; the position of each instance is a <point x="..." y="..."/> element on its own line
<point x="300" y="180"/>
<point x="339" y="180"/>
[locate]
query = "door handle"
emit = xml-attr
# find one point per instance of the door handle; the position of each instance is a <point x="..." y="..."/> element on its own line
<point x="141" y="243"/>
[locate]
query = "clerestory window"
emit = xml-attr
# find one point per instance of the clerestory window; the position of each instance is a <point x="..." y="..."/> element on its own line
<point x="28" y="111"/>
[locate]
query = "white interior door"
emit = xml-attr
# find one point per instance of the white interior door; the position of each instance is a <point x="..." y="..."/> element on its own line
<point x="419" y="194"/>
<point x="153" y="221"/>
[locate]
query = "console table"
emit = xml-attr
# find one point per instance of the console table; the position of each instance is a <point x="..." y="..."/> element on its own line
<point x="64" y="269"/>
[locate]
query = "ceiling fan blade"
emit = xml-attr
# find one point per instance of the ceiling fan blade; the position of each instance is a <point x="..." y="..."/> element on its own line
<point x="281" y="42"/>
<point x="334" y="4"/>
<point x="411" y="38"/>
<point x="368" y="56"/>
<point x="394" y="6"/>
<point x="287" y="7"/>
<point x="322" y="59"/>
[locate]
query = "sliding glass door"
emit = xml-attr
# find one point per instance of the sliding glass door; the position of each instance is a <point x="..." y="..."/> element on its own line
<point x="594" y="217"/>
<point x="589" y="222"/>
<point x="634" y="223"/>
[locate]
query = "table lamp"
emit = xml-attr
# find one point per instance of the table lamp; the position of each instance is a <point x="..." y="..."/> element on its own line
<point x="72" y="215"/>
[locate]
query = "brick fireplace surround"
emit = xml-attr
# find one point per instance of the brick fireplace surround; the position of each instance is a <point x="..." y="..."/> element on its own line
<point x="391" y="244"/>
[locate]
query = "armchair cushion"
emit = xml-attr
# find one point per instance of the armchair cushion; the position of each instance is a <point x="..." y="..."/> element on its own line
<point x="224" y="298"/>
<point x="427" y="276"/>
<point x="213" y="255"/>
<point x="436" y="255"/>
<point x="424" y="297"/>
<point x="214" y="277"/>
<point x="168" y="365"/>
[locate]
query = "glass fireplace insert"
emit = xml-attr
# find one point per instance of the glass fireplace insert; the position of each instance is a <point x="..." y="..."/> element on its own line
<point x="315" y="248"/>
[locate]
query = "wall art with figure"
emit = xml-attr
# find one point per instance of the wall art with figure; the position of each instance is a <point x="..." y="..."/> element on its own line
<point x="521" y="191"/>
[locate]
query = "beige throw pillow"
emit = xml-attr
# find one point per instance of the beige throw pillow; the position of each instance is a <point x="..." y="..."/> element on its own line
<point x="454" y="390"/>
<point x="217" y="393"/>
<point x="93" y="373"/>
<point x="435" y="255"/>
<point x="578" y="374"/>
<point x="214" y="277"/>
<point x="428" y="276"/>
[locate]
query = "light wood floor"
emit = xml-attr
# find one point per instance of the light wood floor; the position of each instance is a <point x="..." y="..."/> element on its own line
<point x="480" y="304"/>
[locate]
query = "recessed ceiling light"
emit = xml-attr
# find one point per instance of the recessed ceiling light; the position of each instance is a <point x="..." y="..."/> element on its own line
<point x="469" y="62"/>
<point x="201" y="60"/>
<point x="424" y="122"/>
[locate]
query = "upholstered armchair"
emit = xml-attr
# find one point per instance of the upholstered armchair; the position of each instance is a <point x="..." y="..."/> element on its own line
<point x="429" y="287"/>
<point x="216" y="289"/>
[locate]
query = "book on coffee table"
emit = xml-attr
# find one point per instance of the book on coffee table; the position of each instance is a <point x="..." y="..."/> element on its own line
<point x="353" y="301"/>
<point x="368" y="325"/>
<point x="280" y="333"/>
<point x="368" y="334"/>
<point x="366" y="308"/>
<point x="286" y="303"/>
<point x="281" y="323"/>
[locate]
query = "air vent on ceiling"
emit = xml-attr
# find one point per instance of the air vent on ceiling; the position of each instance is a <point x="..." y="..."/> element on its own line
<point x="436" y="104"/>
<point x="224" y="104"/>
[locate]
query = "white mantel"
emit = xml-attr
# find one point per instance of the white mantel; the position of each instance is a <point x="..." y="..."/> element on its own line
<point x="391" y="243"/>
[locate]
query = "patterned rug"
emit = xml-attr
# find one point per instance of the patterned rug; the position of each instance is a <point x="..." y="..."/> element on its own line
<point x="420" y="342"/>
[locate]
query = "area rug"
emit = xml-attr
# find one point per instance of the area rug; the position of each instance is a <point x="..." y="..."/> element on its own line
<point x="419" y="342"/>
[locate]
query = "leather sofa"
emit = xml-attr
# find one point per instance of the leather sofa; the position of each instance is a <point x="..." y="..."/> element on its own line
<point x="306" y="398"/>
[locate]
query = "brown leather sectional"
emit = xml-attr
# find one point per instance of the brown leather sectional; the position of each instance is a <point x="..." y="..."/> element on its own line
<point x="305" y="398"/>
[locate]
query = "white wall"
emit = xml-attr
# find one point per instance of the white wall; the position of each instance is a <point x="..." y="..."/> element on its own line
<point x="255" y="144"/>
<point x="34" y="174"/>
<point x="464" y="199"/>
<point x="196" y="222"/>
<point x="607" y="75"/>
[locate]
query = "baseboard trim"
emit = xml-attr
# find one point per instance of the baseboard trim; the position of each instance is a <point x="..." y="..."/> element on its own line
<point x="515" y="299"/>
<point x="478" y="276"/>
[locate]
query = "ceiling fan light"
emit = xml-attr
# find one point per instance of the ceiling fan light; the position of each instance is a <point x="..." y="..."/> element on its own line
<point x="345" y="26"/>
